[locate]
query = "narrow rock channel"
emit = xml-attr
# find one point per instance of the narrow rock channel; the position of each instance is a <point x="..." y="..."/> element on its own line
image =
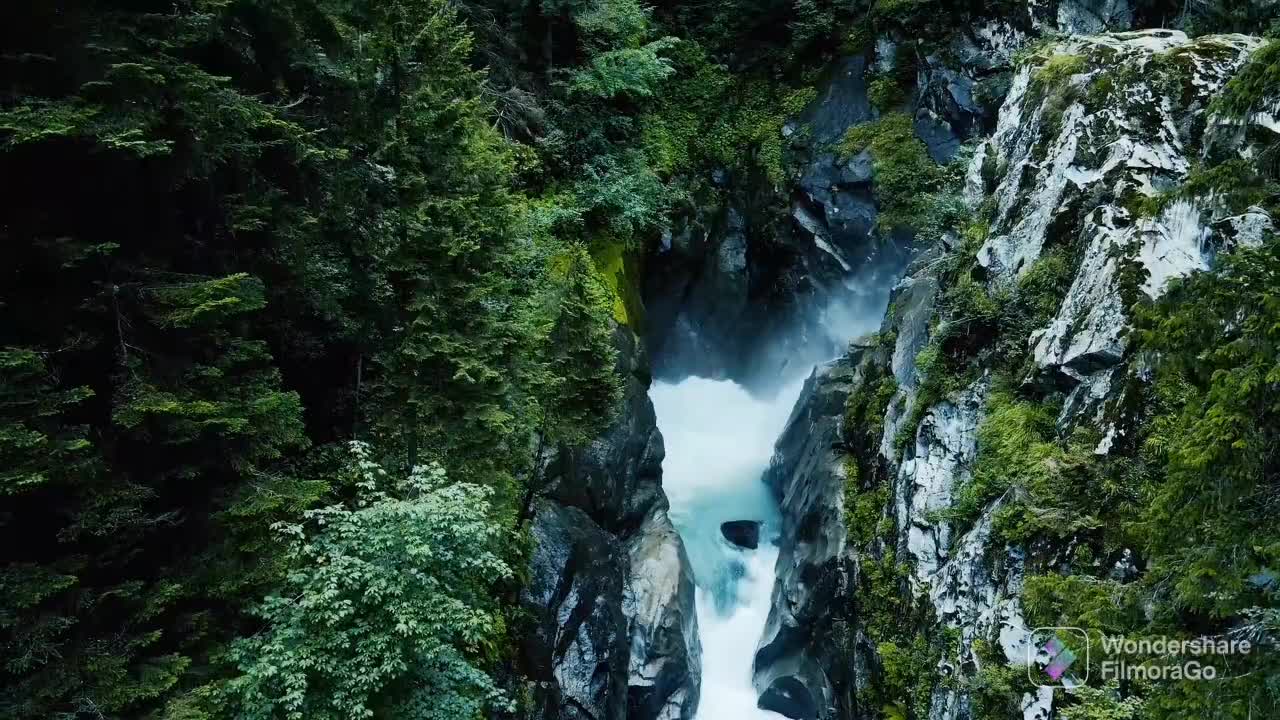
<point x="720" y="441"/>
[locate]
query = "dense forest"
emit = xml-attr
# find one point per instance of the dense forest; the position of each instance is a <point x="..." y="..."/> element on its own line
<point x="299" y="296"/>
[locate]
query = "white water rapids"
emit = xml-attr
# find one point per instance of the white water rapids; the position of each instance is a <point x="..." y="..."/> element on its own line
<point x="719" y="439"/>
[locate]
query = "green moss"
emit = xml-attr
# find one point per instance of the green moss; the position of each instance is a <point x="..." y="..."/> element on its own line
<point x="710" y="117"/>
<point x="887" y="90"/>
<point x="1100" y="92"/>
<point x="865" y="407"/>
<point x="1042" y="287"/>
<point x="904" y="173"/>
<point x="884" y="92"/>
<point x="907" y="669"/>
<point x="1141" y="205"/>
<point x="863" y="512"/>
<point x="1256" y="82"/>
<point x="997" y="687"/>
<point x="617" y="268"/>
<point x="1056" y="71"/>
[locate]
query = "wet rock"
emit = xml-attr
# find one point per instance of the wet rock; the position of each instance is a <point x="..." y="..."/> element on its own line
<point x="913" y="301"/>
<point x="610" y="591"/>
<point x="788" y="696"/>
<point x="743" y="533"/>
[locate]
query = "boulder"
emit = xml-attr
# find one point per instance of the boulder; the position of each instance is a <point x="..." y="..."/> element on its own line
<point x="610" y="593"/>
<point x="798" y="664"/>
<point x="743" y="533"/>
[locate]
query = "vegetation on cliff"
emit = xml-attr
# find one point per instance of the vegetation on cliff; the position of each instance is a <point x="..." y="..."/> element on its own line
<point x="243" y="234"/>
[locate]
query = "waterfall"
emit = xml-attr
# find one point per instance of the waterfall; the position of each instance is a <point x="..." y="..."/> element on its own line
<point x="719" y="439"/>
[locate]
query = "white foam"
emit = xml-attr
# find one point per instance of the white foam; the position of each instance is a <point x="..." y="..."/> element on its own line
<point x="719" y="439"/>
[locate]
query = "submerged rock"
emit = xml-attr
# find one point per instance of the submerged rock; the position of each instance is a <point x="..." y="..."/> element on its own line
<point x="743" y="533"/>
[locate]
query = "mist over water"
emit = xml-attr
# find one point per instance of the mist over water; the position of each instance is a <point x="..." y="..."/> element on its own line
<point x="719" y="439"/>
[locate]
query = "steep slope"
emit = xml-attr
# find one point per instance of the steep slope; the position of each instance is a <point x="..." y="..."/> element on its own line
<point x="610" y="587"/>
<point x="970" y="441"/>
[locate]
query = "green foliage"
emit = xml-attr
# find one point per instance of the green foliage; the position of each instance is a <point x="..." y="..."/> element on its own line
<point x="1237" y="183"/>
<point x="904" y="173"/>
<point x="888" y="90"/>
<point x="1187" y="496"/>
<point x="582" y="392"/>
<point x="997" y="687"/>
<point x="709" y="117"/>
<point x="625" y="72"/>
<point x="1101" y="605"/>
<point x="251" y="232"/>
<point x="37" y="446"/>
<point x="614" y="23"/>
<point x="1102" y="704"/>
<point x="904" y="673"/>
<point x="865" y="407"/>
<point x="386" y="607"/>
<point x="1216" y="337"/>
<point x="1053" y="488"/>
<point x="624" y="194"/>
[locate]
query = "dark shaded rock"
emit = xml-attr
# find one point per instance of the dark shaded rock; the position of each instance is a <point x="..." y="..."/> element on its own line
<point x="577" y="652"/>
<point x="743" y="533"/>
<point x="940" y="139"/>
<point x="842" y="104"/>
<point x="618" y="477"/>
<point x="1088" y="17"/>
<point x="789" y="697"/>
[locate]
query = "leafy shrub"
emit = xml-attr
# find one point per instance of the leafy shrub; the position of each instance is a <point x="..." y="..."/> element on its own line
<point x="388" y="606"/>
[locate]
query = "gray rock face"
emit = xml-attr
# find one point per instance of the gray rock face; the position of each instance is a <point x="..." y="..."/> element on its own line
<point x="841" y="104"/>
<point x="1068" y="169"/>
<point x="1088" y="17"/>
<point x="741" y="291"/>
<point x="795" y="665"/>
<point x="578" y="653"/>
<point x="658" y="601"/>
<point x="610" y="588"/>
<point x="932" y="466"/>
<point x="1058" y="171"/>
